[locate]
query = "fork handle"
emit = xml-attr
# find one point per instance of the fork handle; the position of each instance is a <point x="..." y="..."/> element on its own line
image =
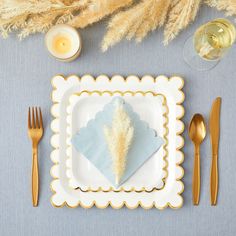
<point x="35" y="177"/>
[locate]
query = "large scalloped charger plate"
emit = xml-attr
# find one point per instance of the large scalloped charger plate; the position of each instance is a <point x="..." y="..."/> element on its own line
<point x="170" y="195"/>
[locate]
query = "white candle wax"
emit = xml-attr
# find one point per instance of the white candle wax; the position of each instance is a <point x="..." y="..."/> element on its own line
<point x="63" y="42"/>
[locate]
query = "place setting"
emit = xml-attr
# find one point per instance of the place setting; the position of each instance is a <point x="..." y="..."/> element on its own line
<point x="117" y="141"/>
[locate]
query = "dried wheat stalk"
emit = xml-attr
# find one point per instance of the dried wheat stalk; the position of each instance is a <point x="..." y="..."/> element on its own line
<point x="13" y="8"/>
<point x="33" y="16"/>
<point x="227" y="5"/>
<point x="97" y="10"/>
<point x="136" y="21"/>
<point x="181" y="14"/>
<point x="119" y="137"/>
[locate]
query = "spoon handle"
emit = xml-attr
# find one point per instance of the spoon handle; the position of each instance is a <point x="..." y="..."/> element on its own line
<point x="196" y="176"/>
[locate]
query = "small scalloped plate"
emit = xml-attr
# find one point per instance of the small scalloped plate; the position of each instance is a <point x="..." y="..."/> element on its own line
<point x="152" y="109"/>
<point x="170" y="195"/>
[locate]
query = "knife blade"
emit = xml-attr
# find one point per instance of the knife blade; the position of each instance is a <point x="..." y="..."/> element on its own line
<point x="214" y="134"/>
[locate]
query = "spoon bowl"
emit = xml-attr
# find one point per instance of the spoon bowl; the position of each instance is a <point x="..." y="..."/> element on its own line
<point x="197" y="129"/>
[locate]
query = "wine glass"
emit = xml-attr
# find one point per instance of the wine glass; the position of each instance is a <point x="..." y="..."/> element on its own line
<point x="208" y="45"/>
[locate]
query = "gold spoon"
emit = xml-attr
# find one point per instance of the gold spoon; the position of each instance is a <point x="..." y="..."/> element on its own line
<point x="197" y="133"/>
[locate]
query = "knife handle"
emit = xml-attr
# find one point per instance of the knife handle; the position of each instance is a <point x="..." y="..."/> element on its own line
<point x="196" y="176"/>
<point x="214" y="180"/>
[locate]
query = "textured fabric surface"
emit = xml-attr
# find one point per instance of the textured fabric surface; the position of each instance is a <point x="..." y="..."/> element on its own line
<point x="25" y="73"/>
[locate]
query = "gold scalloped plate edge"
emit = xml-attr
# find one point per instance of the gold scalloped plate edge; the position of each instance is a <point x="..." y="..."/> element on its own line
<point x="165" y="132"/>
<point x="124" y="203"/>
<point x="168" y="204"/>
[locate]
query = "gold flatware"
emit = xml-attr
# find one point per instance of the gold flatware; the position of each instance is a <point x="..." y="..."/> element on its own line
<point x="197" y="133"/>
<point x="35" y="132"/>
<point x="214" y="134"/>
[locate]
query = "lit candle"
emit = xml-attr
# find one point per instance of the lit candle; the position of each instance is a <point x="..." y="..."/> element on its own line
<point x="63" y="42"/>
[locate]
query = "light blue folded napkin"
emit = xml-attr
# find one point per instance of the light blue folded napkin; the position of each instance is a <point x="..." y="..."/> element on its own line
<point x="91" y="142"/>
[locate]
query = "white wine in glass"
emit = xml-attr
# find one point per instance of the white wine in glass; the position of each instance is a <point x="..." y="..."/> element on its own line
<point x="209" y="44"/>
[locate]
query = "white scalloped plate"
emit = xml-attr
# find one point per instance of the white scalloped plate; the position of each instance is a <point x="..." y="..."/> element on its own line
<point x="152" y="109"/>
<point x="170" y="195"/>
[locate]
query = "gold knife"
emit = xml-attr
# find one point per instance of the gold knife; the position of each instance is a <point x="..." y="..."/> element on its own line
<point x="215" y="134"/>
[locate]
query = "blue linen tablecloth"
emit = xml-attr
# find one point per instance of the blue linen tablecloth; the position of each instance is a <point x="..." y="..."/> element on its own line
<point x="25" y="73"/>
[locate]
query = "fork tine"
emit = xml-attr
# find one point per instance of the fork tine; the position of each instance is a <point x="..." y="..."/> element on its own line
<point x="29" y="119"/>
<point x="41" y="118"/>
<point x="37" y="118"/>
<point x="33" y="119"/>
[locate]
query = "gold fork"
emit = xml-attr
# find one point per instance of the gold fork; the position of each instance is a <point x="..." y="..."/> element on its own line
<point x="35" y="132"/>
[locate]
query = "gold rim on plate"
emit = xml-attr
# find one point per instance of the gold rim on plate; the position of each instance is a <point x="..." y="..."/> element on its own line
<point x="178" y="149"/>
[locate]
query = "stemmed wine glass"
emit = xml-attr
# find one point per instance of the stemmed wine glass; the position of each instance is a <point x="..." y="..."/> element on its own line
<point x="208" y="45"/>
